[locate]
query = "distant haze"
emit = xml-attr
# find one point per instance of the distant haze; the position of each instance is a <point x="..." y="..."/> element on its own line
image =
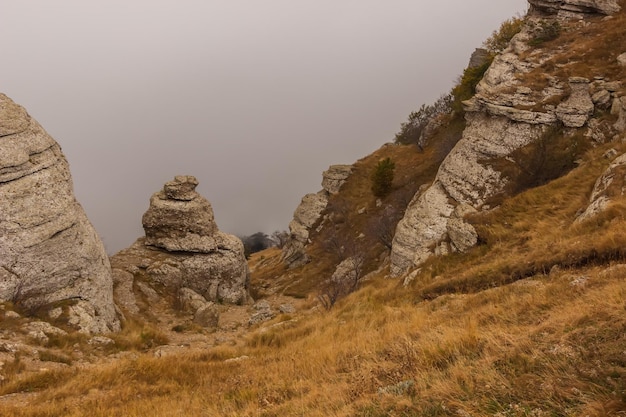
<point x="255" y="98"/>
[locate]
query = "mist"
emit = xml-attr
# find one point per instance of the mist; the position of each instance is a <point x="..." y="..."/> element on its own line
<point x="254" y="98"/>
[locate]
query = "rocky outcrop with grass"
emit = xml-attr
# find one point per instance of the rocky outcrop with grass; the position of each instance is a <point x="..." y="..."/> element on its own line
<point x="309" y="212"/>
<point x="575" y="8"/>
<point x="523" y="127"/>
<point x="50" y="255"/>
<point x="183" y="248"/>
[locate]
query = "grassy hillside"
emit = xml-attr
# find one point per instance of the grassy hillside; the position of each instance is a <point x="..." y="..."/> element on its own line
<point x="531" y="322"/>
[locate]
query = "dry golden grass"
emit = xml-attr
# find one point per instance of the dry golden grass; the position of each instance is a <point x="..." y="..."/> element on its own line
<point x="532" y="322"/>
<point x="542" y="345"/>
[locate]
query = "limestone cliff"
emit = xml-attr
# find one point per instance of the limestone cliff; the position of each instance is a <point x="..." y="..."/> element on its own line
<point x="49" y="252"/>
<point x="510" y="113"/>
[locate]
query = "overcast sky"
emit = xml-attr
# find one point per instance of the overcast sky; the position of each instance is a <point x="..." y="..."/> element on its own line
<point x="254" y="97"/>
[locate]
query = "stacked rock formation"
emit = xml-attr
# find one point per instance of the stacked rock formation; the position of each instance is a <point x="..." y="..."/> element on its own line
<point x="50" y="255"/>
<point x="309" y="212"/>
<point x="183" y="249"/>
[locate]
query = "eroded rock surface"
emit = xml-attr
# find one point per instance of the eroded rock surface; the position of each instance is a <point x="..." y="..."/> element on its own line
<point x="309" y="212"/>
<point x="504" y="116"/>
<point x="49" y="252"/>
<point x="575" y="8"/>
<point x="610" y="185"/>
<point x="183" y="248"/>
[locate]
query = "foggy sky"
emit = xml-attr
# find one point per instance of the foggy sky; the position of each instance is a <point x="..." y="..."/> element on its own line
<point x="254" y="97"/>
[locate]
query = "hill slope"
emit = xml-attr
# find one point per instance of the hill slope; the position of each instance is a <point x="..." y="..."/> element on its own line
<point x="531" y="321"/>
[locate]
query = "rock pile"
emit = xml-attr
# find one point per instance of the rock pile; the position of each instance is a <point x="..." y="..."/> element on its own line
<point x="50" y="255"/>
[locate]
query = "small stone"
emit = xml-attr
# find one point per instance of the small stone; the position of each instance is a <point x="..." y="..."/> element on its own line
<point x="610" y="154"/>
<point x="286" y="309"/>
<point x="602" y="99"/>
<point x="12" y="315"/>
<point x="182" y="188"/>
<point x="621" y="59"/>
<point x="101" y="341"/>
<point x="207" y="316"/>
<point x="55" y="313"/>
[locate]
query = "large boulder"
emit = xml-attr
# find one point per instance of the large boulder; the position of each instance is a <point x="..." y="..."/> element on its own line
<point x="49" y="252"/>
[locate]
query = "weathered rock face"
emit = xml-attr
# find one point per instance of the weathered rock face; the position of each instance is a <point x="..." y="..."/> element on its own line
<point x="335" y="177"/>
<point x="503" y="117"/>
<point x="184" y="248"/>
<point x="309" y="212"/>
<point x="574" y="8"/>
<point x="610" y="185"/>
<point x="180" y="219"/>
<point x="49" y="252"/>
<point x="576" y="110"/>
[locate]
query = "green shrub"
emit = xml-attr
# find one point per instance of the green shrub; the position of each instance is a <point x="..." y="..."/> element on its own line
<point x="382" y="178"/>
<point x="466" y="88"/>
<point x="499" y="39"/>
<point x="411" y="130"/>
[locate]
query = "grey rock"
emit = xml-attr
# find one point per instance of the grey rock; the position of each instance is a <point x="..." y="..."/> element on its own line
<point x="189" y="300"/>
<point x="12" y="315"/>
<point x="621" y="59"/>
<point x="462" y="235"/>
<point x="179" y="219"/>
<point x="609" y="185"/>
<point x="495" y="129"/>
<point x="207" y="316"/>
<point x="335" y="177"/>
<point x="44" y="327"/>
<point x="576" y="110"/>
<point x="263" y="313"/>
<point x="100" y="341"/>
<point x="401" y="388"/>
<point x="348" y="271"/>
<point x="602" y="99"/>
<point x="123" y="291"/>
<point x="286" y="309"/>
<point x="575" y="8"/>
<point x="620" y="110"/>
<point x="182" y="188"/>
<point x="184" y="248"/>
<point x="308" y="213"/>
<point x="148" y="292"/>
<point x="613" y="86"/>
<point x="304" y="218"/>
<point x="479" y="57"/>
<point x="49" y="252"/>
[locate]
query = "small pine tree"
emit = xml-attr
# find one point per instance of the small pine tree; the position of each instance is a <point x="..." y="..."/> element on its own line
<point x="382" y="178"/>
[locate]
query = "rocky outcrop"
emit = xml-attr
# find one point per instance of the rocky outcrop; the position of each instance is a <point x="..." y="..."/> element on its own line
<point x="49" y="252"/>
<point x="309" y="212"/>
<point x="610" y="185"/>
<point x="576" y="110"/>
<point x="575" y="8"/>
<point x="184" y="248"/>
<point x="335" y="177"/>
<point x="503" y="117"/>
